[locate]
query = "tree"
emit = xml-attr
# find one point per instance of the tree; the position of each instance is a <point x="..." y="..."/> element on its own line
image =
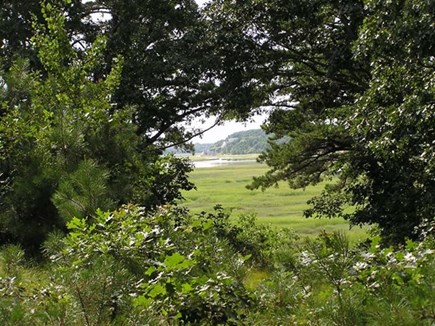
<point x="351" y="85"/>
<point x="394" y="122"/>
<point x="16" y="31"/>
<point x="243" y="142"/>
<point x="166" y="74"/>
<point x="65" y="151"/>
<point x="302" y="54"/>
<point x="172" y="74"/>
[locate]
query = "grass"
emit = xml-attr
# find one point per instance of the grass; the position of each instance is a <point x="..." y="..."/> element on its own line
<point x="281" y="207"/>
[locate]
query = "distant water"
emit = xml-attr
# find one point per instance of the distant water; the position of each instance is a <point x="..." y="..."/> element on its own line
<point x="220" y="162"/>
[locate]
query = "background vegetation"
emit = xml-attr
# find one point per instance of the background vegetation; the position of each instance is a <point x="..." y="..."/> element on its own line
<point x="90" y="230"/>
<point x="242" y="142"/>
<point x="280" y="206"/>
<point x="252" y="141"/>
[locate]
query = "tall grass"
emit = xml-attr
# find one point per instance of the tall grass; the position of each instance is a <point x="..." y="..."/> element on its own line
<point x="280" y="206"/>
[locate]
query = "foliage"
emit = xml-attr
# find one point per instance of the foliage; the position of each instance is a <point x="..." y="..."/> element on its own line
<point x="394" y="120"/>
<point x="12" y="256"/>
<point x="170" y="267"/>
<point x="354" y="98"/>
<point x="304" y="51"/>
<point x="82" y="192"/>
<point x="243" y="142"/>
<point x="172" y="73"/>
<point x="82" y="130"/>
<point x="65" y="151"/>
<point x="167" y="76"/>
<point x="388" y="177"/>
<point x="16" y="28"/>
<point x="325" y="282"/>
<point x="168" y="264"/>
<point x="258" y="242"/>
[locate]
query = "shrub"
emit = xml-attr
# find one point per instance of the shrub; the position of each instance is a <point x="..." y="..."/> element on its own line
<point x="169" y="263"/>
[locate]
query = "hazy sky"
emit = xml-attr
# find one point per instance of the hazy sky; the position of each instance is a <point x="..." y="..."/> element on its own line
<point x="221" y="132"/>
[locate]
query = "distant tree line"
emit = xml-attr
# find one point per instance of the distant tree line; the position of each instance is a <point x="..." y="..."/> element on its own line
<point x="253" y="141"/>
<point x="243" y="142"/>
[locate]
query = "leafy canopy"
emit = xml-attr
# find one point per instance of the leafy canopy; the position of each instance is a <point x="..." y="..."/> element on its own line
<point x="351" y="85"/>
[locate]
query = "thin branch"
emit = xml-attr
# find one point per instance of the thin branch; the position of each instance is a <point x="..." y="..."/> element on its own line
<point x="306" y="162"/>
<point x="166" y="125"/>
<point x="191" y="137"/>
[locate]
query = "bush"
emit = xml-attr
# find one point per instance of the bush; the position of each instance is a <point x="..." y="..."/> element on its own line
<point x="169" y="263"/>
<point x="326" y="282"/>
<point x="171" y="267"/>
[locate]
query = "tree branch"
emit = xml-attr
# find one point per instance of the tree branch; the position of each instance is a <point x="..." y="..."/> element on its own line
<point x="193" y="136"/>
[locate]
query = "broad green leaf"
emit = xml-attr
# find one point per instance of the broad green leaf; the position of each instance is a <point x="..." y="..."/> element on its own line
<point x="157" y="290"/>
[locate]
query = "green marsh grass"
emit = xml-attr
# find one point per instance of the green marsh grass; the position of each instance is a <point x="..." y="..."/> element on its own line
<point x="281" y="206"/>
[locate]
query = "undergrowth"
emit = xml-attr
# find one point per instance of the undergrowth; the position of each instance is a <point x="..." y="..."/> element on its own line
<point x="128" y="267"/>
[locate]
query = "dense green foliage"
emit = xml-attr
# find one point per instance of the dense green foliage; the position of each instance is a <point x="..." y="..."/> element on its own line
<point x="394" y="121"/>
<point x="88" y="106"/>
<point x="64" y="151"/>
<point x="129" y="267"/>
<point x="171" y="73"/>
<point x="352" y="84"/>
<point x="16" y="28"/>
<point x="355" y="100"/>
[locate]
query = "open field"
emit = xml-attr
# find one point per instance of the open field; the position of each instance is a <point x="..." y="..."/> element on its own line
<point x="281" y="207"/>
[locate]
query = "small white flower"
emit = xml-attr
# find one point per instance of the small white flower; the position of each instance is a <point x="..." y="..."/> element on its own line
<point x="306" y="258"/>
<point x="410" y="258"/>
<point x="374" y="285"/>
<point x="360" y="266"/>
<point x="428" y="252"/>
<point x="368" y="255"/>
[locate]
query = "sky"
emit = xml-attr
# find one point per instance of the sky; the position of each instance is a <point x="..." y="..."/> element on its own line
<point x="221" y="132"/>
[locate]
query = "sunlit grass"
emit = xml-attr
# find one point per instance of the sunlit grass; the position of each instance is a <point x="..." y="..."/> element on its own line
<point x="280" y="207"/>
<point x="254" y="277"/>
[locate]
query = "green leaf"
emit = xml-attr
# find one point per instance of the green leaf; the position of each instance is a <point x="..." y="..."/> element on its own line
<point x="150" y="270"/>
<point x="186" y="288"/>
<point x="177" y="261"/>
<point x="141" y="301"/>
<point x="157" y="290"/>
<point x="76" y="224"/>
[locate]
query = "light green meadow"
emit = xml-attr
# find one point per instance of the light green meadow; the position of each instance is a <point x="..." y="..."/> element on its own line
<point x="281" y="207"/>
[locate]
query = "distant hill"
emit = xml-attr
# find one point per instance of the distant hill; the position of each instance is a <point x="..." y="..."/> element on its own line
<point x="242" y="142"/>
